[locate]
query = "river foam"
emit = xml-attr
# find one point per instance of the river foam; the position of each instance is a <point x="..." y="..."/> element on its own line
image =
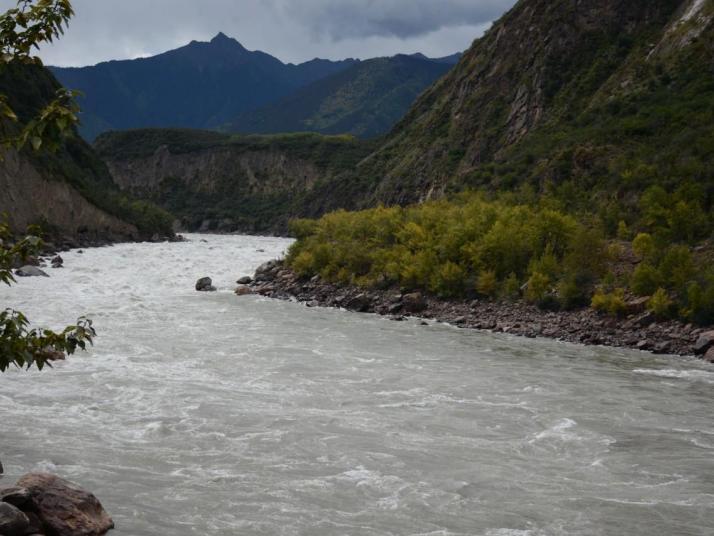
<point x="208" y="413"/>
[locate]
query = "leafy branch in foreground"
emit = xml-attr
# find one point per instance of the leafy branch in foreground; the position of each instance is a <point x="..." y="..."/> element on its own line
<point x="19" y="345"/>
<point x="22" y="29"/>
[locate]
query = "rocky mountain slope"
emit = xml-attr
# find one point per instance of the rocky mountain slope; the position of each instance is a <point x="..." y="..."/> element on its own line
<point x="70" y="191"/>
<point x="200" y="85"/>
<point x="365" y="100"/>
<point x="555" y="87"/>
<point x="214" y="181"/>
<point x="587" y="103"/>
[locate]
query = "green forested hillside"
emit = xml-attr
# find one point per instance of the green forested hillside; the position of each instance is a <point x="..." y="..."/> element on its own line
<point x="29" y="88"/>
<point x="215" y="181"/>
<point x="588" y="128"/>
<point x="365" y="100"/>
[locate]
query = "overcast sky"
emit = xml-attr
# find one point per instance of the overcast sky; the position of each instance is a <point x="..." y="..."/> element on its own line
<point x="291" y="30"/>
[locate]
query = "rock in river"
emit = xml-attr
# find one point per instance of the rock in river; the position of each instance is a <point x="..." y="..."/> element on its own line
<point x="64" y="508"/>
<point x="30" y="271"/>
<point x="205" y="284"/>
<point x="245" y="280"/>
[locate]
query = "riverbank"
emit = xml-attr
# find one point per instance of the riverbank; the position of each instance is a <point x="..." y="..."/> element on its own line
<point x="639" y="329"/>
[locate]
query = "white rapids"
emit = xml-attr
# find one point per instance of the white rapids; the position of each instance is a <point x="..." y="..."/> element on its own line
<point x="211" y="414"/>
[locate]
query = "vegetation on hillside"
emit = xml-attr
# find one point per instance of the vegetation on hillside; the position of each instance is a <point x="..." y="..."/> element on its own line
<point x="19" y="345"/>
<point x="365" y="100"/>
<point x="504" y="248"/>
<point x="230" y="196"/>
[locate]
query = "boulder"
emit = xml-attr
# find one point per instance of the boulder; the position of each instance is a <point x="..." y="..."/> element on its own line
<point x="64" y="508"/>
<point x="709" y="356"/>
<point x="359" y="303"/>
<point x="30" y="271"/>
<point x="242" y="290"/>
<point x="57" y="262"/>
<point x="205" y="284"/>
<point x="15" y="496"/>
<point x="637" y="306"/>
<point x="265" y="271"/>
<point x="704" y="343"/>
<point x="245" y="280"/>
<point x="13" y="522"/>
<point x="414" y="302"/>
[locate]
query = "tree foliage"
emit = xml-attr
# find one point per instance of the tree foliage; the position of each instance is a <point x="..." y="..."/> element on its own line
<point x="23" y="29"/>
<point x="20" y="345"/>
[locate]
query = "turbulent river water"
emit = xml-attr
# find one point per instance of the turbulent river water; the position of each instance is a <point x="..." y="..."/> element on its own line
<point x="210" y="414"/>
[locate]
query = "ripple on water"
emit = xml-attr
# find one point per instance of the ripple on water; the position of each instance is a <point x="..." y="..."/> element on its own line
<point x="211" y="414"/>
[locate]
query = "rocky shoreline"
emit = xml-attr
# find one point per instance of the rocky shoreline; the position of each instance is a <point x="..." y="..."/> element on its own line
<point x="639" y="329"/>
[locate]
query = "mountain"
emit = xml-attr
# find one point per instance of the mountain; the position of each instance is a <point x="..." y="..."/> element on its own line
<point x="200" y="85"/>
<point x="70" y="191"/>
<point x="559" y="92"/>
<point x="364" y="100"/>
<point x="587" y="104"/>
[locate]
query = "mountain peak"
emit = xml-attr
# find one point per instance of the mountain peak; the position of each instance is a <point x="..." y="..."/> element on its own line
<point x="223" y="40"/>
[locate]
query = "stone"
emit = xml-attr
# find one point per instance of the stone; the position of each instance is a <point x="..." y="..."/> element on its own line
<point x="394" y="308"/>
<point x="15" y="496"/>
<point x="643" y="345"/>
<point x="359" y="303"/>
<point x="709" y="356"/>
<point x="245" y="280"/>
<point x="704" y="343"/>
<point x="64" y="508"/>
<point x="414" y="302"/>
<point x="265" y="271"/>
<point x="243" y="290"/>
<point x="57" y="262"/>
<point x="637" y="305"/>
<point x="205" y="284"/>
<point x="30" y="271"/>
<point x="13" y="522"/>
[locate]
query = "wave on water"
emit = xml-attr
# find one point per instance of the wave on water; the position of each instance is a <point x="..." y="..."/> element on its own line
<point x="705" y="376"/>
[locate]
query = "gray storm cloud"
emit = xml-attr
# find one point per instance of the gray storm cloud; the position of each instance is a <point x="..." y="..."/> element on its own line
<point x="398" y="18"/>
<point x="292" y="30"/>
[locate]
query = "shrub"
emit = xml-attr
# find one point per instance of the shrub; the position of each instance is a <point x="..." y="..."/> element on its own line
<point x="511" y="287"/>
<point x="612" y="303"/>
<point x="645" y="280"/>
<point x="644" y="247"/>
<point x="537" y="288"/>
<point x="487" y="283"/>
<point x="660" y="304"/>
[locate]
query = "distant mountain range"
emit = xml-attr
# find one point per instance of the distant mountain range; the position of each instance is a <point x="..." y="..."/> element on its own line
<point x="366" y="99"/>
<point x="222" y="85"/>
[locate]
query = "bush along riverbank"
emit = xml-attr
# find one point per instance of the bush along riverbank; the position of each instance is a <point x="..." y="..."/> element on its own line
<point x="529" y="267"/>
<point x="639" y="329"/>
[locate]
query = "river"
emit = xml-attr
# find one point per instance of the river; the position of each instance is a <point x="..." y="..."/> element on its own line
<point x="211" y="414"/>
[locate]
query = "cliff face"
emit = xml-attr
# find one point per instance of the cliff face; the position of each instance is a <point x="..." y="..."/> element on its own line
<point x="28" y="196"/>
<point x="544" y="62"/>
<point x="252" y="172"/>
<point x="53" y="188"/>
<point x="213" y="181"/>
<point x="69" y="191"/>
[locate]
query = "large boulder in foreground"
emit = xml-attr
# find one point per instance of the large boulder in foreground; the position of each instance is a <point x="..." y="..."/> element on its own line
<point x="13" y="522"/>
<point x="205" y="284"/>
<point x="64" y="508"/>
